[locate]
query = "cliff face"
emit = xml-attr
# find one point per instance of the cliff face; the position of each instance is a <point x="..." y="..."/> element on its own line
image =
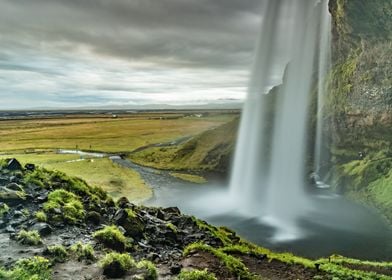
<point x="359" y="104"/>
<point x="361" y="83"/>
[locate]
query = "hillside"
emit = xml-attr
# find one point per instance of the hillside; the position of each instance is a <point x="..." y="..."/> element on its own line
<point x="208" y="151"/>
<point x="56" y="227"/>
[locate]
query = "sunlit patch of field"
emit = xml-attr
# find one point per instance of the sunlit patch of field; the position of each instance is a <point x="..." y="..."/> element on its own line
<point x="102" y="172"/>
<point x="101" y="134"/>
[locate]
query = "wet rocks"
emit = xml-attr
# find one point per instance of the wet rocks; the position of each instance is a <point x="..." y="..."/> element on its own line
<point x="43" y="228"/>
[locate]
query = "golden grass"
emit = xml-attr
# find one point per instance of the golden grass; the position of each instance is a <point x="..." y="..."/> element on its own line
<point x="99" y="134"/>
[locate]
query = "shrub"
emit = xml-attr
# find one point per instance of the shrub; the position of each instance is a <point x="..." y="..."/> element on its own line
<point x="151" y="272"/>
<point x="111" y="237"/>
<point x="68" y="203"/>
<point x="41" y="216"/>
<point x="116" y="265"/>
<point x="83" y="251"/>
<point x="36" y="268"/>
<point x="196" y="275"/>
<point x="58" y="253"/>
<point x="29" y="237"/>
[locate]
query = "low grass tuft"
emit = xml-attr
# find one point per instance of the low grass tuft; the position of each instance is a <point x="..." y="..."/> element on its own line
<point x="83" y="251"/>
<point x="196" y="275"/>
<point x="112" y="238"/>
<point x="116" y="265"/>
<point x="36" y="268"/>
<point x="29" y="237"/>
<point x="67" y="203"/>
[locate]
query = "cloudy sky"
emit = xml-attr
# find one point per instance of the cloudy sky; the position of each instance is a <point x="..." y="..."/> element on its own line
<point x="64" y="53"/>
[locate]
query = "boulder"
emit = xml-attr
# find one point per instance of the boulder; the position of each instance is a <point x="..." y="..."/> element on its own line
<point x="133" y="225"/>
<point x="14" y="165"/>
<point x="43" y="228"/>
<point x="30" y="167"/>
<point x="94" y="217"/>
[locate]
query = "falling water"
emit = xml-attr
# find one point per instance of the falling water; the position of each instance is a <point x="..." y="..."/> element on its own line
<point x="269" y="166"/>
<point x="323" y="68"/>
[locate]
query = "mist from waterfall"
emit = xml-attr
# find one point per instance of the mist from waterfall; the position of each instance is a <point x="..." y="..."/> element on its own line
<point x="268" y="177"/>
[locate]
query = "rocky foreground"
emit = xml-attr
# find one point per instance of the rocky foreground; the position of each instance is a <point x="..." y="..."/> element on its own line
<point x="56" y="227"/>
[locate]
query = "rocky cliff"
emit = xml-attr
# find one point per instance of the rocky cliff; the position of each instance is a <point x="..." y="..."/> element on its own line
<point x="361" y="82"/>
<point x="360" y="101"/>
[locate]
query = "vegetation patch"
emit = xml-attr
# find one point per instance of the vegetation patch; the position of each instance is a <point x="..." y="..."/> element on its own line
<point x="65" y="206"/>
<point x="29" y="237"/>
<point x="3" y="209"/>
<point x="196" y="275"/>
<point x="116" y="265"/>
<point x="189" y="177"/>
<point x="57" y="252"/>
<point x="82" y="251"/>
<point x="150" y="271"/>
<point x="233" y="264"/>
<point x="36" y="268"/>
<point x="112" y="238"/>
<point x="41" y="216"/>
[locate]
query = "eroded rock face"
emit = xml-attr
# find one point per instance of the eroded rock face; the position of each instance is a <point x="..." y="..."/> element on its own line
<point x="360" y="100"/>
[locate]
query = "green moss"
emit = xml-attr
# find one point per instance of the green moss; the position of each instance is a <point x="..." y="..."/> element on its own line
<point x="341" y="272"/>
<point x="130" y="213"/>
<point x="83" y="251"/>
<point x="150" y="271"/>
<point x="41" y="216"/>
<point x="111" y="237"/>
<point x="26" y="212"/>
<point x="288" y="258"/>
<point x="115" y="264"/>
<point x="36" y="268"/>
<point x="38" y="177"/>
<point x="196" y="275"/>
<point x="58" y="253"/>
<point x="222" y="233"/>
<point x="234" y="265"/>
<point x="69" y="204"/>
<point x="368" y="181"/>
<point x="3" y="209"/>
<point x="172" y="227"/>
<point x="29" y="237"/>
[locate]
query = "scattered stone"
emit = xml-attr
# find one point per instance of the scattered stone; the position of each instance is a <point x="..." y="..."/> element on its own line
<point x="43" y="228"/>
<point x="30" y="167"/>
<point x="14" y="165"/>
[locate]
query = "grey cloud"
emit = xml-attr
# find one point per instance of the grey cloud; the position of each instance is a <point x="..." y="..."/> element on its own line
<point x="202" y="33"/>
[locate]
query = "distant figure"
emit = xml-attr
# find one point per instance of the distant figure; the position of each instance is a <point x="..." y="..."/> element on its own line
<point x="361" y="155"/>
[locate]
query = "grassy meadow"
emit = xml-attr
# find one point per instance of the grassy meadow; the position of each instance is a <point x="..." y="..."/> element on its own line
<point x="37" y="140"/>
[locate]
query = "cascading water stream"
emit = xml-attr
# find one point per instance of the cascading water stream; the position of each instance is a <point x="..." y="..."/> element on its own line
<point x="269" y="166"/>
<point x="323" y="68"/>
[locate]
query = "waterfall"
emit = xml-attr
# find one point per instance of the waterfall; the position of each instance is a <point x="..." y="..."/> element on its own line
<point x="323" y="68"/>
<point x="268" y="177"/>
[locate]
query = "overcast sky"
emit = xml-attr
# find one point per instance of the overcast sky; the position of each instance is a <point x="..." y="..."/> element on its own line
<point x="62" y="53"/>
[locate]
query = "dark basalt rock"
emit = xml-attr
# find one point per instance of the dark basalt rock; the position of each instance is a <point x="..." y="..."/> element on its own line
<point x="30" y="167"/>
<point x="14" y="165"/>
<point x="94" y="217"/>
<point x="43" y="228"/>
<point x="114" y="270"/>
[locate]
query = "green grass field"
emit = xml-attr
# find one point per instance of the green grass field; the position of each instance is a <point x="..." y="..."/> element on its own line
<point x="36" y="141"/>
